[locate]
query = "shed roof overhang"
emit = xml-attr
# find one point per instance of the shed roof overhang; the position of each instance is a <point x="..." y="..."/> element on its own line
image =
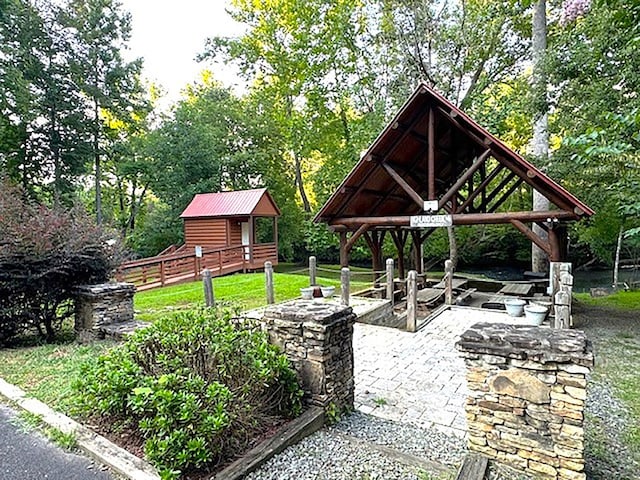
<point x="432" y="151"/>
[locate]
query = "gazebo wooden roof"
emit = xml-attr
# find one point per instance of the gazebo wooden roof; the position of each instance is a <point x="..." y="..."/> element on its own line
<point x="433" y="152"/>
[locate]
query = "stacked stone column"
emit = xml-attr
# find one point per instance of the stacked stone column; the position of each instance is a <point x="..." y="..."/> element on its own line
<point x="318" y="339"/>
<point x="527" y="390"/>
<point x="100" y="306"/>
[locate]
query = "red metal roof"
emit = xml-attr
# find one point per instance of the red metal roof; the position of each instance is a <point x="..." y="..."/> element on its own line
<point x="229" y="204"/>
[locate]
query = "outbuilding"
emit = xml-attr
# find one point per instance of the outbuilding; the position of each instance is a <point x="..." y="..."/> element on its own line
<point x="228" y="220"/>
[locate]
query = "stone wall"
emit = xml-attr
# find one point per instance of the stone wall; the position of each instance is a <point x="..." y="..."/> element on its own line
<point x="318" y="339"/>
<point x="527" y="388"/>
<point x="100" y="307"/>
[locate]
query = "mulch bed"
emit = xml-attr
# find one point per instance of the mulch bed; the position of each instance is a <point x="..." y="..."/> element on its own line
<point x="131" y="440"/>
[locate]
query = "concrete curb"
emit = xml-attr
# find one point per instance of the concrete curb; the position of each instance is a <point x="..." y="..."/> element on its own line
<point x="94" y="445"/>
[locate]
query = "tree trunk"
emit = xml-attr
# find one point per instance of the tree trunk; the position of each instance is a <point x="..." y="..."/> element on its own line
<point x="303" y="194"/>
<point x="98" y="167"/>
<point x="453" y="246"/>
<point x="616" y="265"/>
<point x="540" y="141"/>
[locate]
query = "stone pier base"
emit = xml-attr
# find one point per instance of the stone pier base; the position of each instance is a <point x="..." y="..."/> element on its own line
<point x="527" y="393"/>
<point x="100" y="307"/>
<point x="318" y="339"/>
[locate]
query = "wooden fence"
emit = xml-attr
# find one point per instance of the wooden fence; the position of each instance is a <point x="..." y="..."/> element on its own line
<point x="173" y="268"/>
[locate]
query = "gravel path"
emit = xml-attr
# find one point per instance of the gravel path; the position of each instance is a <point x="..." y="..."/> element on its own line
<point x="348" y="451"/>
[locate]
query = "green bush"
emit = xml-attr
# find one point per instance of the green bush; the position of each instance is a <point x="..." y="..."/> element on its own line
<point x="197" y="386"/>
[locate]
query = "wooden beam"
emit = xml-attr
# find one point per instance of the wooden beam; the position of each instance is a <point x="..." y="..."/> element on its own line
<point x="405" y="186"/>
<point x="393" y="188"/>
<point x="483" y="142"/>
<point x="527" y="232"/>
<point x="355" y="236"/>
<point x="431" y="156"/>
<point x="555" y="250"/>
<point x="505" y="181"/>
<point x="395" y="145"/>
<point x="506" y="195"/>
<point x="459" y="219"/>
<point x="481" y="188"/>
<point x="463" y="178"/>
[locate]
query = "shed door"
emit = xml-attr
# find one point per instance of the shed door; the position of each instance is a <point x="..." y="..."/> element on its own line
<point x="245" y="239"/>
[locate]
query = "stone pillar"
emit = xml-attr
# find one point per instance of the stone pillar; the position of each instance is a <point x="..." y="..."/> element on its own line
<point x="101" y="306"/>
<point x="318" y="339"/>
<point x="527" y="389"/>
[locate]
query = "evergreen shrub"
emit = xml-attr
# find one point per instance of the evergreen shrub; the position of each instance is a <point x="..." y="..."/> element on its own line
<point x="197" y="386"/>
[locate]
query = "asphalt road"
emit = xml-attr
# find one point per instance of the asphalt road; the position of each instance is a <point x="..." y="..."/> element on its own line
<point x="30" y="456"/>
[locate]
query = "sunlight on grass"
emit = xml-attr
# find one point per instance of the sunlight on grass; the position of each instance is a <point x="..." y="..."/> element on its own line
<point x="47" y="371"/>
<point x="621" y="300"/>
<point x="245" y="290"/>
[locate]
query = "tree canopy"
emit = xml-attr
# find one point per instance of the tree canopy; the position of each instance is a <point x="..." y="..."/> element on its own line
<point x="320" y="80"/>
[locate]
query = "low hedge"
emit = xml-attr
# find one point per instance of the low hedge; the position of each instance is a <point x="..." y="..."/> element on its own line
<point x="196" y="386"/>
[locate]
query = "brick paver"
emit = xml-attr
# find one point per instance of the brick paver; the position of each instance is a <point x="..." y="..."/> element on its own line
<point x="417" y="378"/>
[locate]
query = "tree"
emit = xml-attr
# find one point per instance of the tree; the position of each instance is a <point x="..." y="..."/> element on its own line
<point x="304" y="62"/>
<point x="594" y="65"/>
<point x="111" y="85"/>
<point x="540" y="140"/>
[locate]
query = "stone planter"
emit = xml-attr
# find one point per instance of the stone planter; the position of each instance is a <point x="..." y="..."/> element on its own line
<point x="514" y="306"/>
<point x="535" y="314"/>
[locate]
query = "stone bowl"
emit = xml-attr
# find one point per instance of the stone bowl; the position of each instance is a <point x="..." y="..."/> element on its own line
<point x="514" y="306"/>
<point x="307" y="293"/>
<point x="535" y="314"/>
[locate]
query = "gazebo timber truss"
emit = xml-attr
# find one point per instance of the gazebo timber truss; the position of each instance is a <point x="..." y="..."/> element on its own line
<point x="432" y="158"/>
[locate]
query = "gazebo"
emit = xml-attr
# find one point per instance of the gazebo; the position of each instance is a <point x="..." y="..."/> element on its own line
<point x="433" y="166"/>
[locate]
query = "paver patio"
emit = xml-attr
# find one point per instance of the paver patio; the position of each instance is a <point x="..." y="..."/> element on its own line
<point x="416" y="378"/>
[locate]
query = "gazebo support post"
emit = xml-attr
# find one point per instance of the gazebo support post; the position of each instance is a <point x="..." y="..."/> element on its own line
<point x="400" y="239"/>
<point x="374" y="240"/>
<point x="416" y="250"/>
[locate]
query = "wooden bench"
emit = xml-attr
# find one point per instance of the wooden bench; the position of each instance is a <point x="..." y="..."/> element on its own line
<point x="518" y="289"/>
<point x="462" y="298"/>
<point x="458" y="283"/>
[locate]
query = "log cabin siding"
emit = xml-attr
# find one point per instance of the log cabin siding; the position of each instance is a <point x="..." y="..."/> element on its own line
<point x="206" y="232"/>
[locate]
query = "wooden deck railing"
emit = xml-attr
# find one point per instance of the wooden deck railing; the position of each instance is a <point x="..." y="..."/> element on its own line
<point x="183" y="266"/>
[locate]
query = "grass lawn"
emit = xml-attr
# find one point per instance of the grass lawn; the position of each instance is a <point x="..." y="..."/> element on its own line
<point x="247" y="290"/>
<point x="621" y="300"/>
<point x="46" y="372"/>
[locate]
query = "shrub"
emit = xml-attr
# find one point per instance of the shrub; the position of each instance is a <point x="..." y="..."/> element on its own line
<point x="196" y="386"/>
<point x="44" y="253"/>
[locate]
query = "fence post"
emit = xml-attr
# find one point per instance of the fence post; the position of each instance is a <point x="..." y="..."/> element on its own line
<point x="268" y="272"/>
<point x="344" y="285"/>
<point x="209" y="298"/>
<point x="390" y="284"/>
<point x="312" y="271"/>
<point x="412" y="300"/>
<point x="448" y="282"/>
<point x="162" y="273"/>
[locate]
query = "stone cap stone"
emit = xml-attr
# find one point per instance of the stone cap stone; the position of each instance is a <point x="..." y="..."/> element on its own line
<point x="308" y="311"/>
<point x="542" y="345"/>
<point x="104" y="288"/>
